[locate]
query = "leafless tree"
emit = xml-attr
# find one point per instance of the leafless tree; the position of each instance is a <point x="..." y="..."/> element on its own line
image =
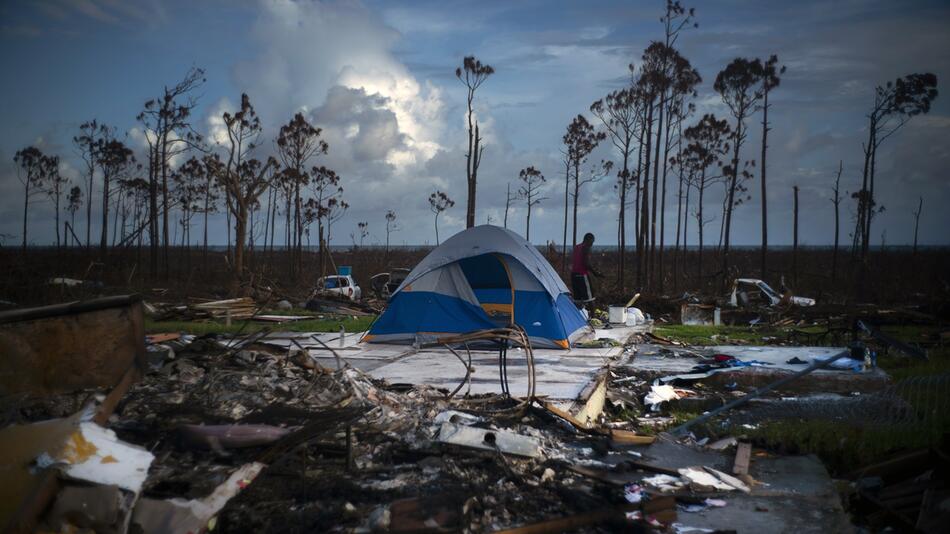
<point x="682" y="87"/>
<point x="336" y="208"/>
<point x="362" y="228"/>
<point x="439" y="202"/>
<point x="836" y="200"/>
<point x="298" y="142"/>
<point x="508" y="198"/>
<point x="55" y="185"/>
<point x="73" y="203"/>
<point x="33" y="169"/>
<point x="706" y="148"/>
<point x="920" y="208"/>
<point x="472" y="74"/>
<point x="895" y="103"/>
<point x="168" y="133"/>
<point x="530" y="191"/>
<point x="795" y="236"/>
<point x="391" y="226"/>
<point x="193" y="191"/>
<point x="739" y="85"/>
<point x="242" y="178"/>
<point x="326" y="204"/>
<point x="620" y="112"/>
<point x="580" y="140"/>
<point x="116" y="161"/>
<point x="770" y="80"/>
<point x="90" y="138"/>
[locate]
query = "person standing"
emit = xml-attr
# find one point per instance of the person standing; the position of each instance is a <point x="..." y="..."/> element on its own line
<point x="581" y="269"/>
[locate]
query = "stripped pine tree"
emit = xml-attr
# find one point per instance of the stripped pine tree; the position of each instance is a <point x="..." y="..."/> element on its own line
<point x="472" y="74"/>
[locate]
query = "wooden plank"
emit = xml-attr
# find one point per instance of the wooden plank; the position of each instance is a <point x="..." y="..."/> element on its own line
<point x="743" y="455"/>
<point x="627" y="437"/>
<point x="573" y="522"/>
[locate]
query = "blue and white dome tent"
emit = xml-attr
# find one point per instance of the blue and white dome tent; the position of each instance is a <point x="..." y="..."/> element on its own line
<point x="483" y="277"/>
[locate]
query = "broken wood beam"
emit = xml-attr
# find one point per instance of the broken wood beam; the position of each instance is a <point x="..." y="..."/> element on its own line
<point x="743" y="454"/>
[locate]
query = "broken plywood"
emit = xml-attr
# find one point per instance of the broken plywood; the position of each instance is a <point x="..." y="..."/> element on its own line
<point x="70" y="346"/>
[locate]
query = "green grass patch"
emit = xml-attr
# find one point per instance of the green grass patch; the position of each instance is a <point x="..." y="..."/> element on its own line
<point x="717" y="335"/>
<point x="842" y="447"/>
<point x="328" y="323"/>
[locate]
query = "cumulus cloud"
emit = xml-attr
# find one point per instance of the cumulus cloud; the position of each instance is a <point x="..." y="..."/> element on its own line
<point x="337" y="56"/>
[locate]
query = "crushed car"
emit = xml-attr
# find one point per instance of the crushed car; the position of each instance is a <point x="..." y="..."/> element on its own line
<point x="750" y="292"/>
<point x="385" y="284"/>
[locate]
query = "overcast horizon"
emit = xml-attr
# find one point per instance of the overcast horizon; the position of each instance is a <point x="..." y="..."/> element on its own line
<point x="378" y="78"/>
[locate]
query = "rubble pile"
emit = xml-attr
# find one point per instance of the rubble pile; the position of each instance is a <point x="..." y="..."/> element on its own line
<point x="321" y="449"/>
<point x="237" y="434"/>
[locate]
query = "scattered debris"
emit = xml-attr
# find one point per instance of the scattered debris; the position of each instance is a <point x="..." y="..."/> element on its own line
<point x="748" y="292"/>
<point x="489" y="440"/>
<point x="700" y="314"/>
<point x="195" y="515"/>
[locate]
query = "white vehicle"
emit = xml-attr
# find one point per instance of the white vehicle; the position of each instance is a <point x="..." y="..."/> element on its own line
<point x="751" y="291"/>
<point x="339" y="285"/>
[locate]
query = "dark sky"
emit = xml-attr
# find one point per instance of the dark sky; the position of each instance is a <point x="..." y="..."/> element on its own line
<point x="378" y="77"/>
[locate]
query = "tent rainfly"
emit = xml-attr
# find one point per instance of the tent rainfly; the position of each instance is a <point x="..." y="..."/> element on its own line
<point x="483" y="277"/>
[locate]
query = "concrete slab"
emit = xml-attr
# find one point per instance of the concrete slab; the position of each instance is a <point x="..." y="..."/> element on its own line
<point x="797" y="495"/>
<point x="558" y="374"/>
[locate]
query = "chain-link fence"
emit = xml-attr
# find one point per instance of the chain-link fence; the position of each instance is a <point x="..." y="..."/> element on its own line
<point x="920" y="401"/>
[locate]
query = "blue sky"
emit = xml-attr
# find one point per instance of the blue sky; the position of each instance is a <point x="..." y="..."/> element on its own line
<point x="378" y="77"/>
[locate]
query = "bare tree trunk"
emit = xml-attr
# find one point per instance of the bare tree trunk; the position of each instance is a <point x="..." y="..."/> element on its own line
<point x="699" y="222"/>
<point x="164" y="166"/>
<point x="323" y="258"/>
<point x="104" y="239"/>
<point x="115" y="216"/>
<point x="270" y="194"/>
<point x="577" y="193"/>
<point x="57" y="195"/>
<point x="567" y="182"/>
<point x="795" y="239"/>
<point x="636" y="211"/>
<point x="273" y="221"/>
<point x="836" y="201"/>
<point x="666" y="158"/>
<point x="656" y="271"/>
<point x="679" y="229"/>
<point x="727" y="230"/>
<point x="153" y="210"/>
<point x="920" y="207"/>
<point x="871" y="206"/>
<point x="527" y="224"/>
<point x="26" y="207"/>
<point x="437" y="225"/>
<point x="92" y="174"/>
<point x="227" y="216"/>
<point x="204" y="246"/>
<point x="240" y="235"/>
<point x="863" y="200"/>
<point x="621" y="222"/>
<point x="645" y="209"/>
<point x="685" y="249"/>
<point x="765" y="213"/>
<point x="507" y="204"/>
